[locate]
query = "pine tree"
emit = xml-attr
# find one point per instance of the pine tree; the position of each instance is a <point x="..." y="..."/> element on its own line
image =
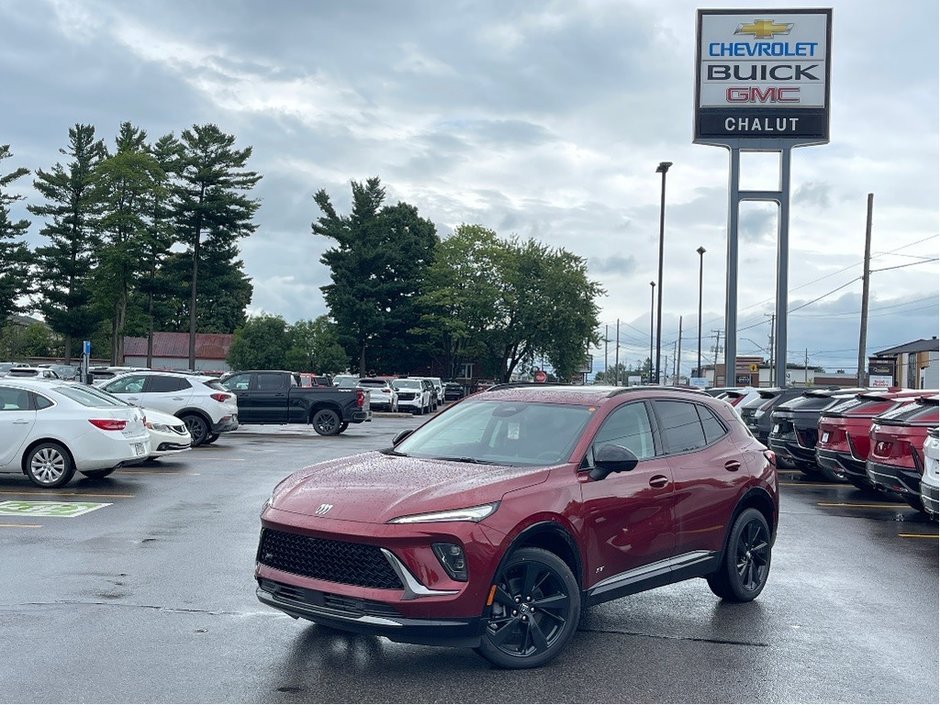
<point x="212" y="200"/>
<point x="71" y="212"/>
<point x="15" y="256"/>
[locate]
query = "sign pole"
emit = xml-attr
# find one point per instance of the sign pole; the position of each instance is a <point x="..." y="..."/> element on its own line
<point x="783" y="269"/>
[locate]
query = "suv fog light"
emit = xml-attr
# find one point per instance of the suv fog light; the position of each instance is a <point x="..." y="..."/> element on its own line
<point x="451" y="557"/>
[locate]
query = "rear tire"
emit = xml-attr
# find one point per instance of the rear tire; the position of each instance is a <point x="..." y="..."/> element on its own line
<point x="49" y="465"/>
<point x="326" y="422"/>
<point x="745" y="563"/>
<point x="197" y="427"/>
<point x="211" y="439"/>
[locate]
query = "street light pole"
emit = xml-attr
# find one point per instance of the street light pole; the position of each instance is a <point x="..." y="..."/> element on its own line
<point x="701" y="264"/>
<point x="652" y="311"/>
<point x="661" y="169"/>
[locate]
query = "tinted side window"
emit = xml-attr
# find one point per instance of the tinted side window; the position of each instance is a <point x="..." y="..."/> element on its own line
<point x="161" y="383"/>
<point x="12" y="399"/>
<point x="39" y="401"/>
<point x="680" y="426"/>
<point x="627" y="426"/>
<point x="238" y="383"/>
<point x="268" y="382"/>
<point x="714" y="429"/>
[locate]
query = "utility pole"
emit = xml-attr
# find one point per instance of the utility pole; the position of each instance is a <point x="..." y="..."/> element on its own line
<point x="863" y="328"/>
<point x="773" y="318"/>
<point x="806" y="368"/>
<point x="679" y="353"/>
<point x="675" y="362"/>
<point x="715" y="363"/>
<point x="606" y="373"/>
<point x="617" y="357"/>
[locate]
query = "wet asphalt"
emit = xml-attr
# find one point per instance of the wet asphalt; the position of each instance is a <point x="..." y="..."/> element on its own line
<point x="151" y="599"/>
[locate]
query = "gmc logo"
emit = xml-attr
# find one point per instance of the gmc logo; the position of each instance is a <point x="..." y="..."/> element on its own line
<point x="769" y="95"/>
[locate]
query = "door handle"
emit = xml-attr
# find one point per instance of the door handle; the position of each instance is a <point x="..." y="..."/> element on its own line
<point x="659" y="481"/>
<point x="20" y="422"/>
<point x="133" y="399"/>
<point x="732" y="466"/>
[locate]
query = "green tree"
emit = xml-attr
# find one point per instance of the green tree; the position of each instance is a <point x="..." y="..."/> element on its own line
<point x="315" y="347"/>
<point x="212" y="200"/>
<point x="160" y="235"/>
<point x="125" y="184"/>
<point x="260" y="344"/>
<point x="377" y="269"/>
<point x="15" y="256"/>
<point x="34" y="340"/>
<point x="71" y="211"/>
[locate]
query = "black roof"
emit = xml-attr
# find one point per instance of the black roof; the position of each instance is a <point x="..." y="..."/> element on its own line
<point x="922" y="345"/>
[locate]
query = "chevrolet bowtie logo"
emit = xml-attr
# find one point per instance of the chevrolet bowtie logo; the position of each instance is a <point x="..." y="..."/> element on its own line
<point x="764" y="29"/>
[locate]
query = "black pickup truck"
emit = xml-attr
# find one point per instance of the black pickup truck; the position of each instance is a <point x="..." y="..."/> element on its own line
<point x="276" y="397"/>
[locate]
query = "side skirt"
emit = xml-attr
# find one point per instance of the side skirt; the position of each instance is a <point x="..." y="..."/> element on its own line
<point x="696" y="564"/>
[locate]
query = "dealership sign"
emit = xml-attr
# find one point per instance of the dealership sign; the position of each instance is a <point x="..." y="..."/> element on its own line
<point x="761" y="75"/>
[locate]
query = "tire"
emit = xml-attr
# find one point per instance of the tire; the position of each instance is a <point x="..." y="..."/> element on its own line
<point x="211" y="439"/>
<point x="544" y="621"/>
<point x="97" y="474"/>
<point x="197" y="427"/>
<point x="49" y="465"/>
<point x="326" y="422"/>
<point x="745" y="562"/>
<point x="343" y="426"/>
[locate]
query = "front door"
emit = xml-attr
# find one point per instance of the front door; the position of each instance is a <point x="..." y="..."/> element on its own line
<point x="16" y="421"/>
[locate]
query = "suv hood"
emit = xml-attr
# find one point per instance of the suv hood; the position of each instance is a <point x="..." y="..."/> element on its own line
<point x="374" y="487"/>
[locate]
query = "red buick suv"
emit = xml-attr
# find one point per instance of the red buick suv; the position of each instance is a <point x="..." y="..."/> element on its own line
<point x="495" y="523"/>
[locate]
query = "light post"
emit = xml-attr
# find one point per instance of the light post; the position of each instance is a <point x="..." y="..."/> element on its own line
<point x="652" y="310"/>
<point x="701" y="263"/>
<point x="661" y="169"/>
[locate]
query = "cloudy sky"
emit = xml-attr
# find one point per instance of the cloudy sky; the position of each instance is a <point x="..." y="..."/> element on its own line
<point x="539" y="119"/>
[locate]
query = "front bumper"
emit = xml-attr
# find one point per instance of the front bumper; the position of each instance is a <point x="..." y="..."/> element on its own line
<point x="892" y="477"/>
<point x="368" y="617"/>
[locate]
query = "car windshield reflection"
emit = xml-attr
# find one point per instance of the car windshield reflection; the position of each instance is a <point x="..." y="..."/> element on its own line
<point x="500" y="433"/>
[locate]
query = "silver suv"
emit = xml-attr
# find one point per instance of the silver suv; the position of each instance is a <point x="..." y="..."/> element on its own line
<point x="203" y="404"/>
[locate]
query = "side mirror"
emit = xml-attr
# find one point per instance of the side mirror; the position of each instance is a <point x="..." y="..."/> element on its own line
<point x="612" y="458"/>
<point x="402" y="435"/>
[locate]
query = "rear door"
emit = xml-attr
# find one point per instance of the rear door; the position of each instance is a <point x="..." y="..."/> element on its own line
<point x="269" y="396"/>
<point x="167" y="393"/>
<point x="17" y="418"/>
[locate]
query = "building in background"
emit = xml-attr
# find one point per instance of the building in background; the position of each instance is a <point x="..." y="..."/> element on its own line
<point x="171" y="351"/>
<point x="916" y="364"/>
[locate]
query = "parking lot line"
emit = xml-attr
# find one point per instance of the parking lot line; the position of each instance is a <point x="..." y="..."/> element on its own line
<point x="21" y="526"/>
<point x="919" y="536"/>
<point x="47" y="493"/>
<point x="862" y="506"/>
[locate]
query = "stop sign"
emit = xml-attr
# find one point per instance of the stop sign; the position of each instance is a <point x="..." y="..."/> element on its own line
<point x="540" y="376"/>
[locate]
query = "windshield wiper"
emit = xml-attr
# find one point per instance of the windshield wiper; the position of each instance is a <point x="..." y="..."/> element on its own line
<point x="461" y="459"/>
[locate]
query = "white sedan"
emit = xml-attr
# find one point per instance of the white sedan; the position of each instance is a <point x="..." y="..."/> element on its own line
<point x="49" y="429"/>
<point x="168" y="434"/>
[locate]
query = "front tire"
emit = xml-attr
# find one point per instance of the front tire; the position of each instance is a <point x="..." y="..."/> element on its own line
<point x="745" y="562"/>
<point x="49" y="465"/>
<point x="535" y="610"/>
<point x="211" y="439"/>
<point x="197" y="427"/>
<point x="326" y="422"/>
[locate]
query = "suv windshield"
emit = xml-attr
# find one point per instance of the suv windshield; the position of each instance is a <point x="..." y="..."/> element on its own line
<point x="500" y="433"/>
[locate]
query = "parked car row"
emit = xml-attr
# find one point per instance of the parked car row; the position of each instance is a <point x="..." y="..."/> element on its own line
<point x="418" y="395"/>
<point x="881" y="440"/>
<point x="51" y="428"/>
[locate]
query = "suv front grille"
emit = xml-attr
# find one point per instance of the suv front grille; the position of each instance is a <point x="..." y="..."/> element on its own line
<point x="343" y="562"/>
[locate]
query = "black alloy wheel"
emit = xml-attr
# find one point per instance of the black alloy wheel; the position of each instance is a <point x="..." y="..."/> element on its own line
<point x="197" y="427"/>
<point x="326" y="422"/>
<point x="535" y="610"/>
<point x="211" y="439"/>
<point x="745" y="564"/>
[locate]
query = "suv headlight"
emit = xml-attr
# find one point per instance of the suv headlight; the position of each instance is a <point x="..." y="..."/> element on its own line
<point x="475" y="514"/>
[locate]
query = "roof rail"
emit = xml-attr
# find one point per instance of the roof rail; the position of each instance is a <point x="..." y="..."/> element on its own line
<point x="659" y="387"/>
<point x="514" y="385"/>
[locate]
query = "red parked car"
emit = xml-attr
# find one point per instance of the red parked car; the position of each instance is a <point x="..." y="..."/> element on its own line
<point x="896" y="458"/>
<point x="493" y="524"/>
<point x="842" y="443"/>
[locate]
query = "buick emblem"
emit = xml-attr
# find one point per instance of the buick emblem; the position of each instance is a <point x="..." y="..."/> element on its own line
<point x="323" y="509"/>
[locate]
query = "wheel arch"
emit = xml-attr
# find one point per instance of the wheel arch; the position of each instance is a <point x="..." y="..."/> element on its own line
<point x="39" y="441"/>
<point x="550" y="536"/>
<point x="195" y="411"/>
<point x="756" y="498"/>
